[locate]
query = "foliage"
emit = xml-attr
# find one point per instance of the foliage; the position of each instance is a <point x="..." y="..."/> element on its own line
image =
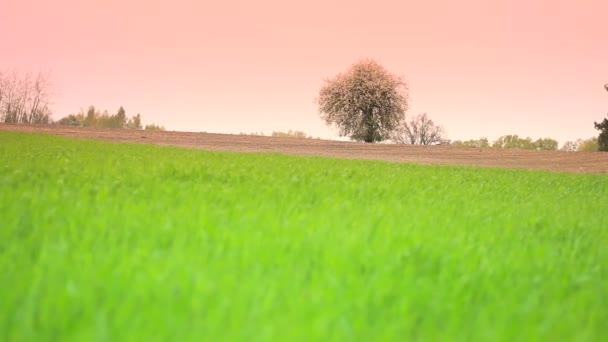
<point x="25" y="98"/>
<point x="120" y="119"/>
<point x="479" y="143"/>
<point x="256" y="134"/>
<point x="514" y="141"/>
<point x="153" y="127"/>
<point x="602" y="139"/>
<point x="290" y="134"/>
<point x="71" y="120"/>
<point x="117" y="242"/>
<point x="570" y="146"/>
<point x="94" y="118"/>
<point x="134" y="122"/>
<point x="546" y="144"/>
<point x="588" y="145"/>
<point x="366" y="102"/>
<point x="581" y="145"/>
<point x="420" y="130"/>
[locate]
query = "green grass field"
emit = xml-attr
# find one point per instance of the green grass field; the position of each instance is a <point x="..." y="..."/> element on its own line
<point x="123" y="242"/>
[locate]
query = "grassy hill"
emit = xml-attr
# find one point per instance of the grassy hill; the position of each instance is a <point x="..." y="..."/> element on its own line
<point x="108" y="241"/>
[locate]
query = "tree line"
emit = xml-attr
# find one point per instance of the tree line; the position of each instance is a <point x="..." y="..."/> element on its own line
<point x="290" y="134"/>
<point x="95" y="118"/>
<point x="25" y="99"/>
<point x="368" y="103"/>
<point x="543" y="144"/>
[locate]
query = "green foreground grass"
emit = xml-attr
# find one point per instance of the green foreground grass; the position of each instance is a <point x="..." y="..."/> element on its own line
<point x="113" y="242"/>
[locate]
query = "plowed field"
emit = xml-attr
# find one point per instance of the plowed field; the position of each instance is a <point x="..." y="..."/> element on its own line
<point x="580" y="162"/>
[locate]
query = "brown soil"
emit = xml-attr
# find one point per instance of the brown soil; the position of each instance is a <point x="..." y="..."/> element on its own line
<point x="579" y="162"/>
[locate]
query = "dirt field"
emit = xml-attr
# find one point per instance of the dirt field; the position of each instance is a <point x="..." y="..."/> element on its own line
<point x="589" y="162"/>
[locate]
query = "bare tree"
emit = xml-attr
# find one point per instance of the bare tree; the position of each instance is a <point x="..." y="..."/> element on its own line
<point x="2" y="90"/>
<point x="24" y="99"/>
<point x="570" y="146"/>
<point x="366" y="102"/>
<point x="39" y="111"/>
<point x="420" y="130"/>
<point x="8" y="110"/>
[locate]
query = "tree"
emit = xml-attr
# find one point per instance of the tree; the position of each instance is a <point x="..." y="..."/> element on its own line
<point x="94" y="118"/>
<point x="70" y="120"/>
<point x="546" y="144"/>
<point x="420" y="130"/>
<point x="153" y="127"/>
<point x="569" y="146"/>
<point x="506" y="141"/>
<point x="290" y="134"/>
<point x="134" y="122"/>
<point x="91" y="118"/>
<point x="366" y="102"/>
<point x="8" y="90"/>
<point x="120" y="119"/>
<point x="588" y="145"/>
<point x="514" y="141"/>
<point x="479" y="143"/>
<point x="25" y="99"/>
<point x="2" y="90"/>
<point x="602" y="139"/>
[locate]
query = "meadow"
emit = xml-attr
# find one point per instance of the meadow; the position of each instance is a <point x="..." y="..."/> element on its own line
<point x="108" y="241"/>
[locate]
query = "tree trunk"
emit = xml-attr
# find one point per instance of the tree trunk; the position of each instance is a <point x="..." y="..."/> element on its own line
<point x="369" y="120"/>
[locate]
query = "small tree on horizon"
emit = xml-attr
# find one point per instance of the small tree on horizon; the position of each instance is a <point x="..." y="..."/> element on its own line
<point x="120" y="119"/>
<point x="154" y="127"/>
<point x="569" y="146"/>
<point x="546" y="144"/>
<point x="134" y="122"/>
<point x="420" y="130"/>
<point x="366" y="102"/>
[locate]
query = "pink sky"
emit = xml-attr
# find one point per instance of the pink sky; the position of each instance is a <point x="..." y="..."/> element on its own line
<point x="480" y="68"/>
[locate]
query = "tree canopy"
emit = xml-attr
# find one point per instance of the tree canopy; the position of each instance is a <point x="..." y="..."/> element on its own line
<point x="94" y="118"/>
<point x="515" y="141"/>
<point x="602" y="139"/>
<point x="366" y="102"/>
<point x="479" y="143"/>
<point x="588" y="145"/>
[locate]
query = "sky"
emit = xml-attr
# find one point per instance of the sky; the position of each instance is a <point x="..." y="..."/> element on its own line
<point x="480" y="68"/>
